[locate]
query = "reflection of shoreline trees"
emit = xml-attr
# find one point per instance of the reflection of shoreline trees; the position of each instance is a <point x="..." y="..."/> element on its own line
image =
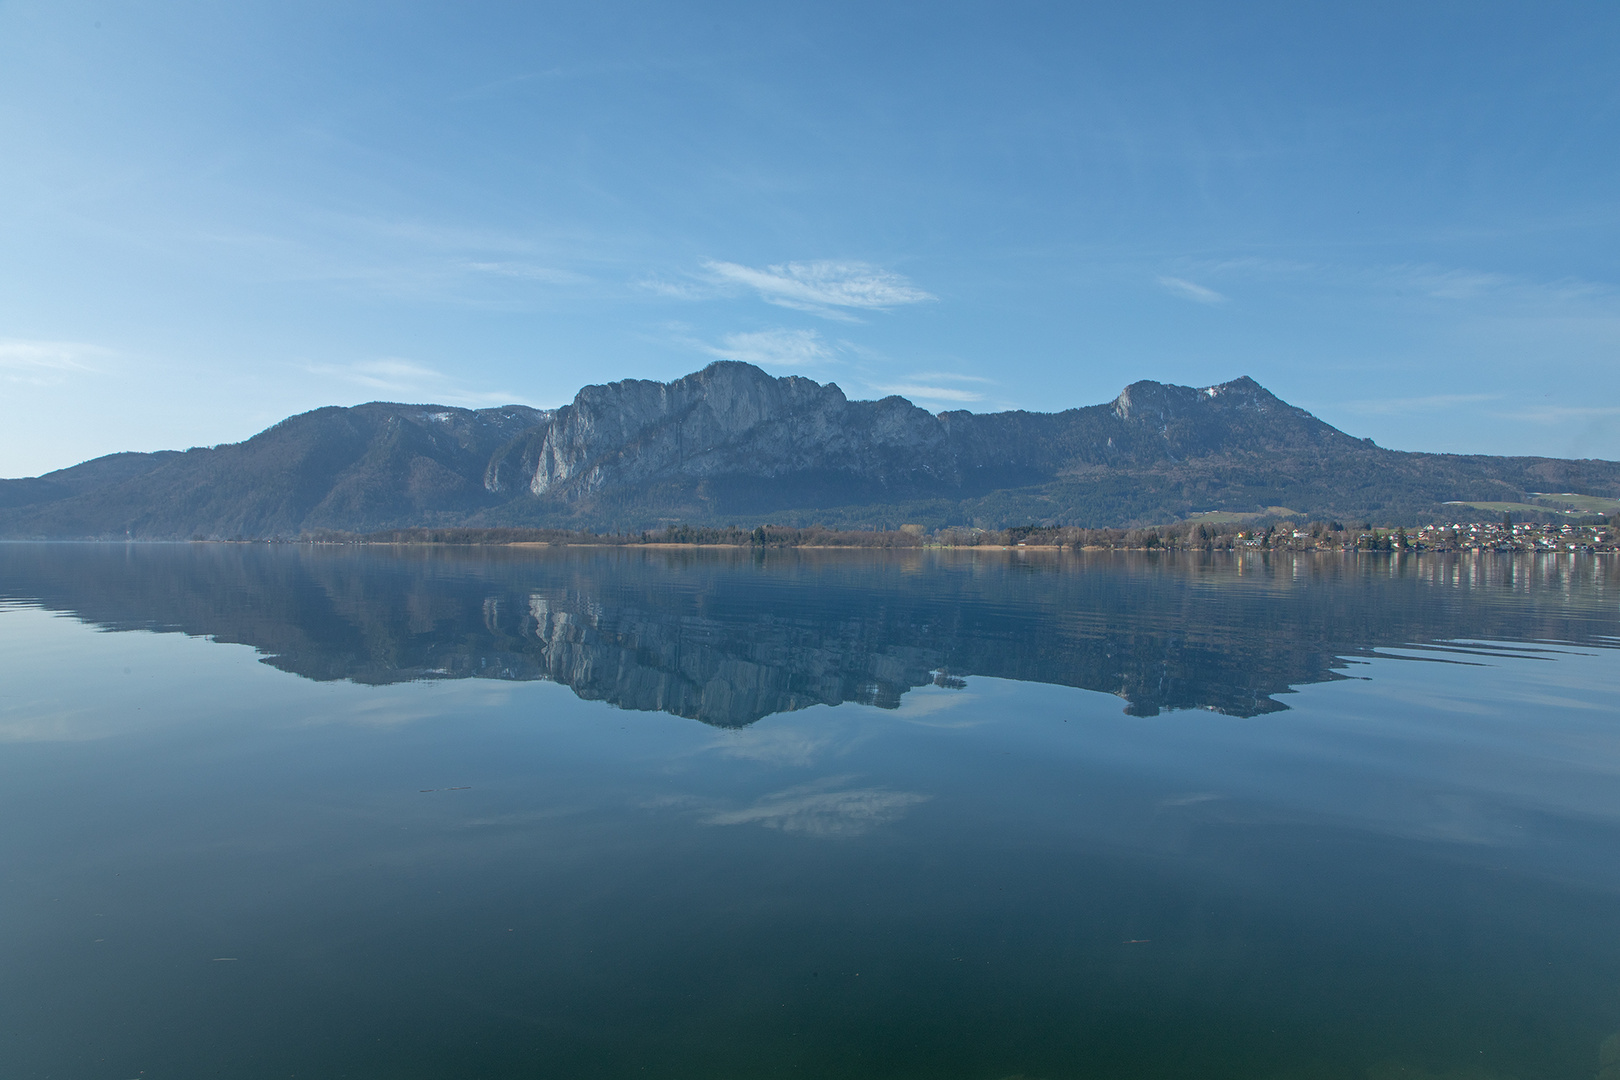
<point x="730" y="636"/>
<point x="1232" y="532"/>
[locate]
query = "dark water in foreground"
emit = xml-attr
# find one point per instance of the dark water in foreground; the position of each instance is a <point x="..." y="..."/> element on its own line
<point x="688" y="814"/>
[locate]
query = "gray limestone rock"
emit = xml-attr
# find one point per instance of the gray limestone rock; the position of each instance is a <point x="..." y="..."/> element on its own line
<point x="732" y="421"/>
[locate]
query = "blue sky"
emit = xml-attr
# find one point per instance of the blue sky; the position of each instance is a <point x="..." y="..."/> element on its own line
<point x="1402" y="217"/>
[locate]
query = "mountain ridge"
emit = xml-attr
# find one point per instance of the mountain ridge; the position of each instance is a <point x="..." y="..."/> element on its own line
<point x="731" y="443"/>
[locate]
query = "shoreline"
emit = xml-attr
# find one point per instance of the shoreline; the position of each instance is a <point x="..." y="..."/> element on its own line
<point x="670" y="545"/>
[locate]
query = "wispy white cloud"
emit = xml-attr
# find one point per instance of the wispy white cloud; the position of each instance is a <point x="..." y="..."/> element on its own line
<point x="561" y="73"/>
<point x="1191" y="290"/>
<point x="1455" y="284"/>
<point x="1506" y="293"/>
<point x="951" y="376"/>
<point x="680" y="290"/>
<point x="387" y="373"/>
<point x="1487" y="311"/>
<point x="1418" y="281"/>
<point x="790" y="348"/>
<point x="924" y="392"/>
<point x="824" y="808"/>
<point x="500" y="285"/>
<point x="528" y="272"/>
<point x="503" y="85"/>
<point x="416" y="259"/>
<point x="403" y="379"/>
<point x="41" y="363"/>
<point x="430" y="235"/>
<point x="1560" y="414"/>
<point x="1255" y="266"/>
<point x="824" y="287"/>
<point x="1405" y="405"/>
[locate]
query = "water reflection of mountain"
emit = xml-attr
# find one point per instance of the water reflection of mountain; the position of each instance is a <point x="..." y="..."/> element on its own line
<point x="727" y="637"/>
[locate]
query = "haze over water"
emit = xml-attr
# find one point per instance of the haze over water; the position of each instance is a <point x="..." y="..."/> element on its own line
<point x="275" y="811"/>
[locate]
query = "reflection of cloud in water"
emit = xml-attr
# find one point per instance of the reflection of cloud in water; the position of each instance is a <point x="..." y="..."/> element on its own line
<point x="791" y="744"/>
<point x="381" y="712"/>
<point x="408" y="704"/>
<point x="823" y="808"/>
<point x="531" y="817"/>
<point x="926" y="701"/>
<point x="32" y="724"/>
<point x="1192" y="800"/>
<point x="802" y="740"/>
<point x="1459" y="818"/>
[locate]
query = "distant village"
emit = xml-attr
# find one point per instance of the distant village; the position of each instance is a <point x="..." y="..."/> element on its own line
<point x="1458" y="536"/>
<point x="1504" y="536"/>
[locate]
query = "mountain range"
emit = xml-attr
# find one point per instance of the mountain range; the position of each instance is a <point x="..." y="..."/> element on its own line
<point x="733" y="445"/>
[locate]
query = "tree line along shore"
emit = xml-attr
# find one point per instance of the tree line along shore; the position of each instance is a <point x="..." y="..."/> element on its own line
<point x="1198" y="536"/>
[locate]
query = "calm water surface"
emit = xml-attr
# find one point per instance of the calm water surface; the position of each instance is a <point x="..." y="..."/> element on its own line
<point x="318" y="812"/>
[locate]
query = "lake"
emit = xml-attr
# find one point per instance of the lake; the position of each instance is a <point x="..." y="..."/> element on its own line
<point x="291" y="811"/>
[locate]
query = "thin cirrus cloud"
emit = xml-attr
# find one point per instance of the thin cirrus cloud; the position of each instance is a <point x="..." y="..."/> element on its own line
<point x="824" y="287"/>
<point x="1455" y="284"/>
<point x="926" y="386"/>
<point x="789" y="348"/>
<point x="527" y="272"/>
<point x="1191" y="290"/>
<point x="929" y="393"/>
<point x="679" y="290"/>
<point x="40" y="363"/>
<point x="1407" y="405"/>
<point x="1464" y="283"/>
<point x="1560" y="414"/>
<point x="823" y="808"/>
<point x="400" y="378"/>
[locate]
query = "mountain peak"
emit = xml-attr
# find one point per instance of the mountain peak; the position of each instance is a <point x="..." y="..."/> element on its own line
<point x="1240" y="385"/>
<point x="1162" y="402"/>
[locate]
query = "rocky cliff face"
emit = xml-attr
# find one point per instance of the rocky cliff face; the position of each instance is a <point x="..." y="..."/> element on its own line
<point x="727" y="422"/>
<point x="731" y="425"/>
